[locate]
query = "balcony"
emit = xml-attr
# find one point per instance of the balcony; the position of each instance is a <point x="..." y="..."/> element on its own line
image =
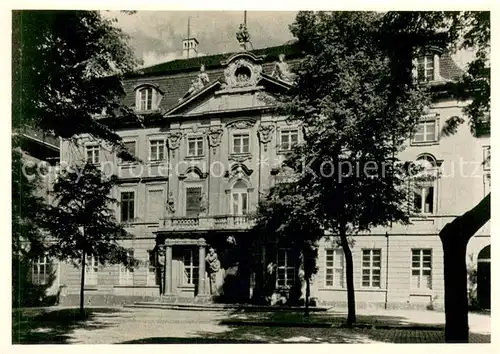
<point x="208" y="223"/>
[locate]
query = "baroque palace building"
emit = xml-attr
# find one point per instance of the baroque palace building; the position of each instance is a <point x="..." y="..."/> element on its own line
<point x="211" y="147"/>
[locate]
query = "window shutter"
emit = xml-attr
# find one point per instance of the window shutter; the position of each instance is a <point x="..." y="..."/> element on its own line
<point x="193" y="201"/>
<point x="155" y="204"/>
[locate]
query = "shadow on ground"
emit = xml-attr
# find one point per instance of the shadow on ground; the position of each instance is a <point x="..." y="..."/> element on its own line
<point x="53" y="326"/>
<point x="244" y="326"/>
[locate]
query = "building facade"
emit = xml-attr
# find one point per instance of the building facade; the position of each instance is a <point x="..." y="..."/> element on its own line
<point x="211" y="146"/>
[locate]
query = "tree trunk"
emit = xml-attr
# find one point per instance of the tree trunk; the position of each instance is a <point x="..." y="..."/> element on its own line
<point x="82" y="285"/>
<point x="454" y="237"/>
<point x="349" y="271"/>
<point x="308" y="293"/>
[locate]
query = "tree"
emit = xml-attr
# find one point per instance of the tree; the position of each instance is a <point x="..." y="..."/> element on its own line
<point x="28" y="216"/>
<point x="356" y="118"/>
<point x="82" y="221"/>
<point x="67" y="68"/>
<point x="288" y="215"/>
<point x="455" y="30"/>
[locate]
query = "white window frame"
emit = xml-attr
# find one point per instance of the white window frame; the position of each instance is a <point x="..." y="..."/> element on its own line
<point x="240" y="136"/>
<point x="426" y="122"/>
<point x="37" y="276"/>
<point x="91" y="270"/>
<point x="336" y="252"/>
<point x="160" y="144"/>
<point x="198" y="142"/>
<point x="126" y="274"/>
<point x="288" y="132"/>
<point x="139" y="98"/>
<point x="421" y="269"/>
<point x="425" y="186"/>
<point x="128" y="190"/>
<point x="94" y="150"/>
<point x="190" y="275"/>
<point x="425" y="59"/>
<point x="238" y="193"/>
<point x="371" y="267"/>
<point x="287" y="265"/>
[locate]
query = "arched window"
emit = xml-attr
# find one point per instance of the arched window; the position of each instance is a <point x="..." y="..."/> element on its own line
<point x="239" y="199"/>
<point x="147" y="98"/>
<point x="424" y="191"/>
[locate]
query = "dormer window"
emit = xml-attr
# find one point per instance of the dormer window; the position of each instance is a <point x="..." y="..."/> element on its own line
<point x="425" y="68"/>
<point x="147" y="98"/>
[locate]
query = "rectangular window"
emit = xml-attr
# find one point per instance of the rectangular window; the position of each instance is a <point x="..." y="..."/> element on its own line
<point x="240" y="203"/>
<point x="130" y="147"/>
<point x="157" y="150"/>
<point x="423" y="199"/>
<point x="92" y="153"/>
<point x="371" y="267"/>
<point x="146" y="99"/>
<point x="486" y="158"/>
<point x="127" y="272"/>
<point x="286" y="272"/>
<point x="191" y="261"/>
<point x="91" y="270"/>
<point x="425" y="132"/>
<point x="193" y="201"/>
<point x="334" y="269"/>
<point x="41" y="271"/>
<point x="421" y="269"/>
<point x="151" y="265"/>
<point x="127" y="206"/>
<point x="289" y="138"/>
<point x="241" y="143"/>
<point x="425" y="68"/>
<point x="195" y="146"/>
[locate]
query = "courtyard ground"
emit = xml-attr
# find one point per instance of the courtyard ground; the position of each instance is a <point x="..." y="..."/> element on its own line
<point x="147" y="326"/>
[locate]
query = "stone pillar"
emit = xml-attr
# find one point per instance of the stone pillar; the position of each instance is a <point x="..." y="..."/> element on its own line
<point x="201" y="270"/>
<point x="168" y="269"/>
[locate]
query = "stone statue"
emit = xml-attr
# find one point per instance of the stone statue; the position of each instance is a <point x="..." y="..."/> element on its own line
<point x="197" y="83"/>
<point x="243" y="36"/>
<point x="214" y="271"/>
<point x="282" y="71"/>
<point x="171" y="203"/>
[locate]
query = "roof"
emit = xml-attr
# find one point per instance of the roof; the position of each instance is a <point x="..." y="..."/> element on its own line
<point x="174" y="78"/>
<point x="448" y="69"/>
<point x="214" y="61"/>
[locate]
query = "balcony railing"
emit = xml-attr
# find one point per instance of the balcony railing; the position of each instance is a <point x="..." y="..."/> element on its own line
<point x="219" y="222"/>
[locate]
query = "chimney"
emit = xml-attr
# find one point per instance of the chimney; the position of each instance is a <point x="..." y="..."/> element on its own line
<point x="189" y="48"/>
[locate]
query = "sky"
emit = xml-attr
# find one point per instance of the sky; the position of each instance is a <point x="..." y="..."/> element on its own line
<point x="156" y="36"/>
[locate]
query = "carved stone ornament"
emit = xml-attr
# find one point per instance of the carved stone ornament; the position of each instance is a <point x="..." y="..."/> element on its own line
<point x="265" y="134"/>
<point x="174" y="140"/>
<point x="215" y="136"/>
<point x="242" y="36"/>
<point x="242" y="73"/>
<point x="240" y="157"/>
<point x="241" y="124"/>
